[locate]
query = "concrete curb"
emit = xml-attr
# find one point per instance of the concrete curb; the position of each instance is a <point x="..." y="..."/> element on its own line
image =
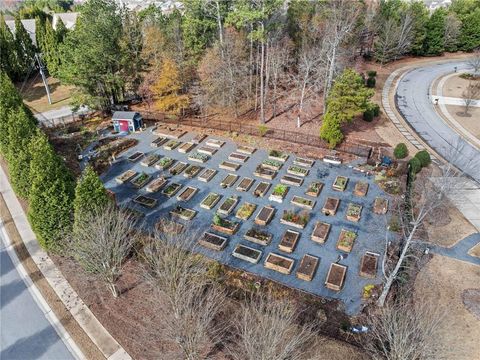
<point x="108" y="346"/>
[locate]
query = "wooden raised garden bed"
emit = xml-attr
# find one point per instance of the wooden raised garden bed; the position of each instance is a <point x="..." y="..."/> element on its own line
<point x="368" y="265"/>
<point x="380" y="206"/>
<point x="164" y="163"/>
<point x="213" y="241"/>
<point x="186" y="147"/>
<point x="198" y="157"/>
<point x="277" y="155"/>
<point x="156" y="185"/>
<point x="247" y="150"/>
<point x="335" y="277"/>
<point x="245" y="211"/>
<point x="187" y="193"/>
<point x="361" y="188"/>
<point x="245" y="184"/>
<point x="207" y="150"/>
<point x="141" y="180"/>
<point x="169" y="133"/>
<point x="261" y="189"/>
<point x="228" y="205"/>
<point x="145" y="201"/>
<point x="169" y="227"/>
<point x="265" y="215"/>
<point x="279" y="263"/>
<point x="291" y="180"/>
<point x="288" y="241"/>
<point x="346" y="239"/>
<point x="158" y="142"/>
<point x="297" y="170"/>
<point x="171" y="189"/>
<point x="258" y="236"/>
<point x="292" y="218"/>
<point x="215" y="143"/>
<point x="263" y="173"/>
<point x="354" y="212"/>
<point x="308" y="267"/>
<point x="228" y="181"/>
<point x="207" y="175"/>
<point x="183" y="213"/>
<point x="303" y="203"/>
<point x="272" y="164"/>
<point x="171" y="144"/>
<point x="150" y="160"/>
<point x="198" y="138"/>
<point x="230" y="166"/>
<point x="314" y="189"/>
<point x="178" y="168"/>
<point x="210" y="201"/>
<point x="335" y="160"/>
<point x="303" y="162"/>
<point x="238" y="157"/>
<point x="320" y="232"/>
<point x="331" y="206"/>
<point x="247" y="253"/>
<point x="135" y="156"/>
<point x="279" y="192"/>
<point x="340" y="183"/>
<point x="224" y="226"/>
<point x="126" y="176"/>
<point x="191" y="171"/>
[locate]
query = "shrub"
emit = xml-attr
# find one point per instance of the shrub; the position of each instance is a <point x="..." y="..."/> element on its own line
<point x="371" y="82"/>
<point x="415" y="165"/>
<point x="371" y="73"/>
<point x="331" y="132"/>
<point x="424" y="157"/>
<point x="401" y="151"/>
<point x="368" y="115"/>
<point x="262" y="129"/>
<point x="376" y="110"/>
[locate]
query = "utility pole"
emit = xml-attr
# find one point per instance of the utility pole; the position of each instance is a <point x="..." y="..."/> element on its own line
<point x="41" y="67"/>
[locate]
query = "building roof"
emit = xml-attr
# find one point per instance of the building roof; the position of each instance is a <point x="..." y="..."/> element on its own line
<point x="69" y="19"/>
<point x="28" y="24"/>
<point x="124" y="115"/>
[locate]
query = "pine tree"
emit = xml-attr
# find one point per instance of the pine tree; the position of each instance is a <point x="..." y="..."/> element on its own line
<point x="8" y="62"/>
<point x="419" y="13"/>
<point x="50" y="49"/>
<point x="9" y="101"/>
<point x="470" y="31"/>
<point x="24" y="48"/>
<point x="434" y="41"/>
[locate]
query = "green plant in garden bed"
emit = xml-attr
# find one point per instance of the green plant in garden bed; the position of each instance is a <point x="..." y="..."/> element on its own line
<point x="219" y="221"/>
<point x="141" y="179"/>
<point x="245" y="211"/>
<point x="347" y="238"/>
<point x="354" y="210"/>
<point x="272" y="163"/>
<point x="258" y="234"/>
<point x="165" y="162"/>
<point x="314" y="188"/>
<point x="300" y="218"/>
<point x="192" y="170"/>
<point x="298" y="170"/>
<point x="211" y="199"/>
<point x="171" y="189"/>
<point x="199" y="156"/>
<point x="280" y="190"/>
<point x="172" y="144"/>
<point x="340" y="182"/>
<point x="277" y="154"/>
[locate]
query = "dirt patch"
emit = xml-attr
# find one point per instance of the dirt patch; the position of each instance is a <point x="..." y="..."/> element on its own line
<point x="455" y="85"/>
<point x="471" y="299"/>
<point x="470" y="123"/>
<point x="475" y="251"/>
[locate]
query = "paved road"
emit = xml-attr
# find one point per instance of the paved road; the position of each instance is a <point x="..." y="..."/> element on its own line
<point x="25" y="333"/>
<point x="460" y="250"/>
<point x="414" y="103"/>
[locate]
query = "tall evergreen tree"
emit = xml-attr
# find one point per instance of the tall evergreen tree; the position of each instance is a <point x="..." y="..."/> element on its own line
<point x="419" y="13"/>
<point x="8" y="61"/>
<point x="9" y="101"/>
<point x="434" y="41"/>
<point x="470" y="31"/>
<point x="24" y="47"/>
<point x="50" y="49"/>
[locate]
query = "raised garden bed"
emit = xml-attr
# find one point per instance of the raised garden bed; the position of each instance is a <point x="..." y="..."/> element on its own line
<point x="272" y="164"/>
<point x="207" y="175"/>
<point x="248" y="150"/>
<point x="331" y="206"/>
<point x="289" y="241"/>
<point x="245" y="211"/>
<point x="186" y="147"/>
<point x="308" y="267"/>
<point x="164" y="163"/>
<point x="224" y="226"/>
<point x="303" y="162"/>
<point x="292" y="218"/>
<point x="145" y="201"/>
<point x="265" y="215"/>
<point x="277" y="155"/>
<point x="258" y="236"/>
<point x="228" y="181"/>
<point x="169" y="227"/>
<point x="198" y="138"/>
<point x="191" y="171"/>
<point x="198" y="157"/>
<point x="135" y="156"/>
<point x="361" y="188"/>
<point x="238" y="157"/>
<point x="297" y="170"/>
<point x="261" y="189"/>
<point x="213" y="241"/>
<point x="178" y="168"/>
<point x="158" y="142"/>
<point x="171" y="189"/>
<point x="207" y="150"/>
<point x="187" y="193"/>
<point x="126" y="176"/>
<point x="340" y="183"/>
<point x="335" y="277"/>
<point x="169" y="133"/>
<point x="227" y="165"/>
<point x="228" y="205"/>
<point x="380" y="206"/>
<point x="171" y="144"/>
<point x="291" y="180"/>
<point x="279" y="263"/>
<point x="346" y="240"/>
<point x="156" y="185"/>
<point x="320" y="232"/>
<point x="150" y="160"/>
<point x="279" y="192"/>
<point x="314" y="189"/>
<point x="302" y="202"/>
<point x="263" y="173"/>
<point x="245" y="184"/>
<point x="329" y="159"/>
<point x="368" y="265"/>
<point x="247" y="253"/>
<point x="141" y="180"/>
<point x="210" y="201"/>
<point x="183" y="213"/>
<point x="353" y="212"/>
<point x="215" y="143"/>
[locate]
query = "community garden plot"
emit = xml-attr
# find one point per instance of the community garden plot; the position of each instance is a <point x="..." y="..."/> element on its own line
<point x="304" y="162"/>
<point x="141" y="180"/>
<point x="230" y="166"/>
<point x="135" y="156"/>
<point x="320" y="232"/>
<point x="125" y="177"/>
<point x="245" y="184"/>
<point x="213" y="241"/>
<point x="265" y="215"/>
<point x="331" y="206"/>
<point x="191" y="171"/>
<point x="247" y="150"/>
<point x="277" y="155"/>
<point x="380" y="206"/>
<point x="354" y="212"/>
<point x="178" y="168"/>
<point x="279" y="263"/>
<point x="145" y="201"/>
<point x="183" y="213"/>
<point x="303" y="202"/>
<point x="258" y="236"/>
<point x="187" y="193"/>
<point x="186" y="147"/>
<point x="271" y="164"/>
<point x="238" y="157"/>
<point x="198" y="138"/>
<point x="215" y="143"/>
<point x="261" y="189"/>
<point x="291" y="180"/>
<point x="298" y="171"/>
<point x="171" y="189"/>
<point x="368" y="265"/>
<point x="308" y="267"/>
<point x="336" y="277"/>
<point x="314" y="189"/>
<point x="278" y="193"/>
<point x="207" y="150"/>
<point x="346" y="239"/>
<point x="169" y="227"/>
<point x="289" y="241"/>
<point x="340" y="183"/>
<point x="228" y="181"/>
<point x="158" y="142"/>
<point x="247" y="253"/>
<point x="165" y="131"/>
<point x="228" y="205"/>
<point x="156" y="185"/>
<point x="198" y="157"/>
<point x="171" y="144"/>
<point x="361" y="188"/>
<point x="150" y="160"/>
<point x="224" y="226"/>
<point x="210" y="201"/>
<point x="207" y="175"/>
<point x="264" y="173"/>
<point x="295" y="219"/>
<point x="164" y="163"/>
<point x="245" y="211"/>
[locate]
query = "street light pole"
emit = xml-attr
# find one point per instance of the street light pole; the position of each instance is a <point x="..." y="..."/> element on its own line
<point x="44" y="78"/>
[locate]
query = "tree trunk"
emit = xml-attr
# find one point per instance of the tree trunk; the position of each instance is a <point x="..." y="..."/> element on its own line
<point x="262" y="80"/>
<point x="113" y="289"/>
<point x="328" y="83"/>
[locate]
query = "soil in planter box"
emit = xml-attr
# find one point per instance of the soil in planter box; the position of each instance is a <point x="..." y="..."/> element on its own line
<point x="228" y="205"/>
<point x="207" y="175"/>
<point x="314" y="189"/>
<point x="207" y="150"/>
<point x="340" y="183"/>
<point x="258" y="236"/>
<point x="320" y="232"/>
<point x="191" y="171"/>
<point x="158" y="142"/>
<point x="353" y="212"/>
<point x="238" y="157"/>
<point x="277" y="155"/>
<point x="172" y="144"/>
<point x="224" y="226"/>
<point x="156" y="185"/>
<point x="380" y="206"/>
<point x="302" y="202"/>
<point x="210" y="200"/>
<point x="245" y="211"/>
<point x="245" y="184"/>
<point x="170" y="227"/>
<point x="293" y="218"/>
<point x="135" y="156"/>
<point x="272" y="164"/>
<point x="308" y="267"/>
<point x="183" y="213"/>
<point x="150" y="160"/>
<point x="164" y="163"/>
<point x="198" y="138"/>
<point x="145" y="201"/>
<point x="178" y="168"/>
<point x="247" y="253"/>
<point x="215" y="143"/>
<point x="141" y="180"/>
<point x="228" y="181"/>
<point x="229" y="166"/>
<point x="264" y="173"/>
<point x="248" y="150"/>
<point x="335" y="277"/>
<point x="331" y="206"/>
<point x="265" y="215"/>
<point x="297" y="170"/>
<point x="198" y="157"/>
<point x="346" y="240"/>
<point x="279" y="263"/>
<point x="361" y="188"/>
<point x="303" y="162"/>
<point x="186" y="147"/>
<point x="126" y="176"/>
<point x="261" y="189"/>
<point x="171" y="189"/>
<point x="291" y="180"/>
<point x="289" y="241"/>
<point x="213" y="241"/>
<point x="187" y="194"/>
<point x="368" y="265"/>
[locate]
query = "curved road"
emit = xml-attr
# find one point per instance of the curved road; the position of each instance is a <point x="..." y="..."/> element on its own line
<point x="413" y="101"/>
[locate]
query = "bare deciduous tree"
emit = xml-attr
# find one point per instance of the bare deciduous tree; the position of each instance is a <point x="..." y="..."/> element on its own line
<point x="474" y="62"/>
<point x="469" y="95"/>
<point x="394" y="38"/>
<point x="452" y="31"/>
<point x="278" y="60"/>
<point x="101" y="241"/>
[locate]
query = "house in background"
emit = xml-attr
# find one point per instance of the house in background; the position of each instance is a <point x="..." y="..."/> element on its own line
<point x="127" y="121"/>
<point x="69" y="19"/>
<point x="28" y="24"/>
